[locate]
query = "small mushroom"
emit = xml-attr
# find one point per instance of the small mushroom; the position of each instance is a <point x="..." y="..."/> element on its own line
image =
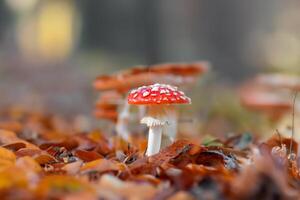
<point x="159" y="99"/>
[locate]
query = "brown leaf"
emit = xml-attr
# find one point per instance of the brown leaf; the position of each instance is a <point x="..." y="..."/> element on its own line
<point x="68" y="144"/>
<point x="165" y="155"/>
<point x="28" y="152"/>
<point x="15" y="146"/>
<point x="87" y="156"/>
<point x="8" y="137"/>
<point x="44" y="159"/>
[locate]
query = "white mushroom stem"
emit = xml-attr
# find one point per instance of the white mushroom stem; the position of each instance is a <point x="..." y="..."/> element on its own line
<point x="155" y="134"/>
<point x="169" y="114"/>
<point x="154" y="140"/>
<point x="156" y="121"/>
<point x="123" y="118"/>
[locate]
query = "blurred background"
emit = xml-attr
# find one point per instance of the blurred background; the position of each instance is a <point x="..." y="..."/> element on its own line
<point x="52" y="50"/>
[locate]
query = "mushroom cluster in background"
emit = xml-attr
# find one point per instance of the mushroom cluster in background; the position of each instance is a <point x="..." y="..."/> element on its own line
<point x="184" y="75"/>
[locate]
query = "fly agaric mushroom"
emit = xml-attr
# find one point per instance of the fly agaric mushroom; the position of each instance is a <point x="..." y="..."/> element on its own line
<point x="159" y="98"/>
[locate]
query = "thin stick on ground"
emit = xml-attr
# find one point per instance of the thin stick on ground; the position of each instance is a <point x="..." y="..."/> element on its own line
<point x="293" y="121"/>
<point x="279" y="135"/>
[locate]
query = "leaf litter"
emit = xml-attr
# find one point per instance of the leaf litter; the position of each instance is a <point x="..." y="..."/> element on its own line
<point x="49" y="160"/>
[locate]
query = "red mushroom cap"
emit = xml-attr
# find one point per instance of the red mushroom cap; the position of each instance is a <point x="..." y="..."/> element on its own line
<point x="169" y="73"/>
<point x="157" y="94"/>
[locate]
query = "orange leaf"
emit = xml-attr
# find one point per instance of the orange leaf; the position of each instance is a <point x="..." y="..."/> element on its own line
<point x="29" y="164"/>
<point x="7" y="158"/>
<point x="8" y="137"/>
<point x="87" y="156"/>
<point x="44" y="159"/>
<point x="100" y="165"/>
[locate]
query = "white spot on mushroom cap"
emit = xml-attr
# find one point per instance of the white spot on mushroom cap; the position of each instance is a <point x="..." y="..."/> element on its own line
<point x="146" y="93"/>
<point x="163" y="91"/>
<point x="133" y="91"/>
<point x="155" y="89"/>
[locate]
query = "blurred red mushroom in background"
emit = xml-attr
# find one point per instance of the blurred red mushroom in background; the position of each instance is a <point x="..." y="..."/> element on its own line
<point x="281" y="90"/>
<point x="169" y="73"/>
<point x="107" y="105"/>
<point x="181" y="74"/>
<point x="269" y="103"/>
<point x="272" y="94"/>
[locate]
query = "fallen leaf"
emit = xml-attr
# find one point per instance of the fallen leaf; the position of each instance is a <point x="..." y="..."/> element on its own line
<point x="87" y="156"/>
<point x="7" y="158"/>
<point x="100" y="165"/>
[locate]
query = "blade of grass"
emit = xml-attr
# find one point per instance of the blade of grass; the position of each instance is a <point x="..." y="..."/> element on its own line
<point x="293" y="120"/>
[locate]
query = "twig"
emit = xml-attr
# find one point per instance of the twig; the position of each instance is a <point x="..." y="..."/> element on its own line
<point x="279" y="135"/>
<point x="293" y="121"/>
